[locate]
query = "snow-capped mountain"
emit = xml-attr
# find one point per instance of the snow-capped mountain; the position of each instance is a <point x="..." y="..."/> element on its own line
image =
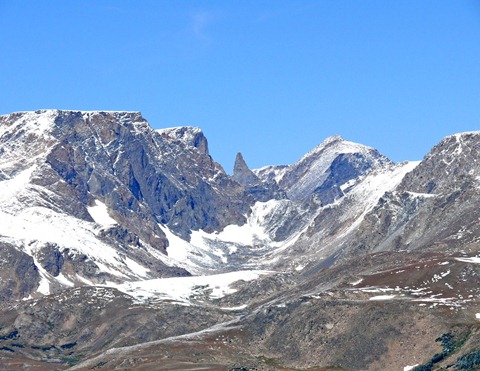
<point x="328" y="170"/>
<point x="117" y="239"/>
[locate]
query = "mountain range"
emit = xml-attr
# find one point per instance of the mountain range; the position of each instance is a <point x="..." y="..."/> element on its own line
<point x="125" y="247"/>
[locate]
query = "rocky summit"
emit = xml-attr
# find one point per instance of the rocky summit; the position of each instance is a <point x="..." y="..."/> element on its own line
<point x="124" y="247"/>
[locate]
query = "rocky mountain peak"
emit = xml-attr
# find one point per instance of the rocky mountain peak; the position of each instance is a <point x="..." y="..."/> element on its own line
<point x="333" y="139"/>
<point x="189" y="135"/>
<point x="325" y="169"/>
<point x="260" y="189"/>
<point x="242" y="173"/>
<point x="450" y="165"/>
<point x="337" y="145"/>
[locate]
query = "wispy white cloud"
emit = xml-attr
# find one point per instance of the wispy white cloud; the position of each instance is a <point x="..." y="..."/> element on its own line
<point x="200" y="21"/>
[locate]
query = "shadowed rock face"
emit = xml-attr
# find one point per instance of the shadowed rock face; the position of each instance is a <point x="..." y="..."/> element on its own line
<point x="167" y="177"/>
<point x="344" y="167"/>
<point x="51" y="259"/>
<point x="18" y="274"/>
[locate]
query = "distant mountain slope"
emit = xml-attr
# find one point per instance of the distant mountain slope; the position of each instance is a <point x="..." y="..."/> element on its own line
<point x="435" y="205"/>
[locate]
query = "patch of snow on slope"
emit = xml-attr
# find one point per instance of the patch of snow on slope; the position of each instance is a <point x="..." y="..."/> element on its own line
<point x="348" y="184"/>
<point x="37" y="122"/>
<point x="192" y="254"/>
<point x="181" y="289"/>
<point x="475" y="260"/>
<point x="235" y="308"/>
<point x="372" y="187"/>
<point x="136" y="268"/>
<point x="64" y="280"/>
<point x="252" y="231"/>
<point x="42" y="225"/>
<point x="240" y="234"/>
<point x="300" y="267"/>
<point x="11" y="188"/>
<point x="99" y="213"/>
<point x="354" y="283"/>
<point x="44" y="285"/>
<point x="213" y="250"/>
<point x="424" y="195"/>
<point x="382" y="297"/>
<point x="178" y="248"/>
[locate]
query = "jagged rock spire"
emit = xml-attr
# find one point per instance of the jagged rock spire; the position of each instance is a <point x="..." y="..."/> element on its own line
<point x="241" y="172"/>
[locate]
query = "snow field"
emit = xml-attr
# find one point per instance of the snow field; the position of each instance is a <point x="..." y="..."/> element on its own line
<point x="181" y="289"/>
<point x="99" y="213"/>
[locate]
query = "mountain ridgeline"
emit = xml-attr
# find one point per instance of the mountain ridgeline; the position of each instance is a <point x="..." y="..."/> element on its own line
<point x="104" y="220"/>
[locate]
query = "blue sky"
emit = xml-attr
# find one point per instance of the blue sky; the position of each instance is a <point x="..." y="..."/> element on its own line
<point x="271" y="79"/>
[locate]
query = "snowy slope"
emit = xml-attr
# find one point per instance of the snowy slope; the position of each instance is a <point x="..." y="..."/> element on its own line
<point x="185" y="290"/>
<point x="254" y="244"/>
<point x="334" y="224"/>
<point x="31" y="227"/>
